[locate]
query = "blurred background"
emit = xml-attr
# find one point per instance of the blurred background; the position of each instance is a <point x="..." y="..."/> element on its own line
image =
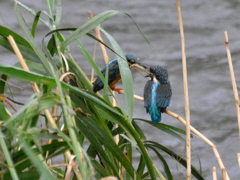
<point x="212" y="104"/>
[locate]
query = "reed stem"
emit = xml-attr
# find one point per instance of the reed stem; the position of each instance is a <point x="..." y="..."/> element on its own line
<point x="185" y="86"/>
<point x="234" y="85"/>
<point x="238" y="157"/>
<point x="214" y="173"/>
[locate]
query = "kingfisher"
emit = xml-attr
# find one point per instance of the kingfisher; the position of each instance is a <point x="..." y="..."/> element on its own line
<point x="114" y="73"/>
<point x="157" y="92"/>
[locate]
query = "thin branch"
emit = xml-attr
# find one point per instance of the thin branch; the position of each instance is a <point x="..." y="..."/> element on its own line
<point x="16" y="102"/>
<point x="135" y="96"/>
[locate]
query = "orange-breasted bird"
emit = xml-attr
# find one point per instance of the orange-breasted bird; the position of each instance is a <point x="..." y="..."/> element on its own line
<point x="114" y="73"/>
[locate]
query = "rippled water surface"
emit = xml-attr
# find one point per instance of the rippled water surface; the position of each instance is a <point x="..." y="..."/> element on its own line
<point x="213" y="111"/>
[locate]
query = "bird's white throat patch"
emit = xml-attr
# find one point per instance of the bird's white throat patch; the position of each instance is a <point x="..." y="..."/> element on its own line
<point x="155" y="80"/>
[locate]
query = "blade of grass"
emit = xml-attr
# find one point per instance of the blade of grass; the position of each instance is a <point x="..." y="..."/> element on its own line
<point x="3" y="115"/>
<point x="49" y="66"/>
<point x="88" y="26"/>
<point x="35" y="22"/>
<point x="36" y="159"/>
<point x="51" y="6"/>
<point x="165" y="165"/>
<point x="109" y="144"/>
<point x="31" y="11"/>
<point x="125" y="74"/>
<point x="99" y="36"/>
<point x="152" y="144"/>
<point x="167" y="129"/>
<point x="95" y="141"/>
<point x="23" y="45"/>
<point x="76" y="146"/>
<point x="58" y="13"/>
<point x="8" y="157"/>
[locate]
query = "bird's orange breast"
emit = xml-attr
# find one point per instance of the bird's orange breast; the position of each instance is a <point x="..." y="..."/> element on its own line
<point x="115" y="81"/>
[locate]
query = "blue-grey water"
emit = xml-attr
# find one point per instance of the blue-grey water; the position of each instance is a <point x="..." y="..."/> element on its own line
<point x="212" y="105"/>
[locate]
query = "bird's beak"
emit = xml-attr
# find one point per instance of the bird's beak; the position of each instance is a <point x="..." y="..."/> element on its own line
<point x="140" y="66"/>
<point x="149" y="75"/>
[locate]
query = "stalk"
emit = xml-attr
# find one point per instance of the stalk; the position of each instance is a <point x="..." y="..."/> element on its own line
<point x="185" y="86"/>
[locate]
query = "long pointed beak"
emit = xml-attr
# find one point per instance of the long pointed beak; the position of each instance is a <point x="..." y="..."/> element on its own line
<point x="140" y="66"/>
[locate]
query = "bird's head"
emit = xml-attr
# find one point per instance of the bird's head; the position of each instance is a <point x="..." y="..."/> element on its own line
<point x="132" y="59"/>
<point x="159" y="73"/>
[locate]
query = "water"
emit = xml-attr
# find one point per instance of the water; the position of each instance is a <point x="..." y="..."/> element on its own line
<point x="212" y="106"/>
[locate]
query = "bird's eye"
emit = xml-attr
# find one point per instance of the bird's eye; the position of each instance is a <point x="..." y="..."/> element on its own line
<point x="132" y="61"/>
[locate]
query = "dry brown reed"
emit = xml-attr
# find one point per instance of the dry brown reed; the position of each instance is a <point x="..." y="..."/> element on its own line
<point x="234" y="85"/>
<point x="224" y="174"/>
<point x="214" y="173"/>
<point x="185" y="86"/>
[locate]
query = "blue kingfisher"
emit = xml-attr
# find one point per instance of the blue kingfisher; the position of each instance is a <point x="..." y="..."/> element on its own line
<point x="114" y="73"/>
<point x="157" y="93"/>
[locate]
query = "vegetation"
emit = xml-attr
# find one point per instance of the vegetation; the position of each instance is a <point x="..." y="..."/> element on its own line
<point x="92" y="138"/>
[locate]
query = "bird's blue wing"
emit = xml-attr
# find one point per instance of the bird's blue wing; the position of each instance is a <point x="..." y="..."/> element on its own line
<point x="113" y="73"/>
<point x="164" y="93"/>
<point x="148" y="94"/>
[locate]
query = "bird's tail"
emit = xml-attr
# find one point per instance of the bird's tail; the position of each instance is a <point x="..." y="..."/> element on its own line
<point x="156" y="117"/>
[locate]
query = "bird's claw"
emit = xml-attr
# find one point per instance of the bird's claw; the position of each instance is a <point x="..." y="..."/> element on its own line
<point x="119" y="90"/>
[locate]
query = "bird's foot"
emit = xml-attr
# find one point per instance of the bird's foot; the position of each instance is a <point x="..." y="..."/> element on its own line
<point x="163" y="110"/>
<point x="119" y="90"/>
